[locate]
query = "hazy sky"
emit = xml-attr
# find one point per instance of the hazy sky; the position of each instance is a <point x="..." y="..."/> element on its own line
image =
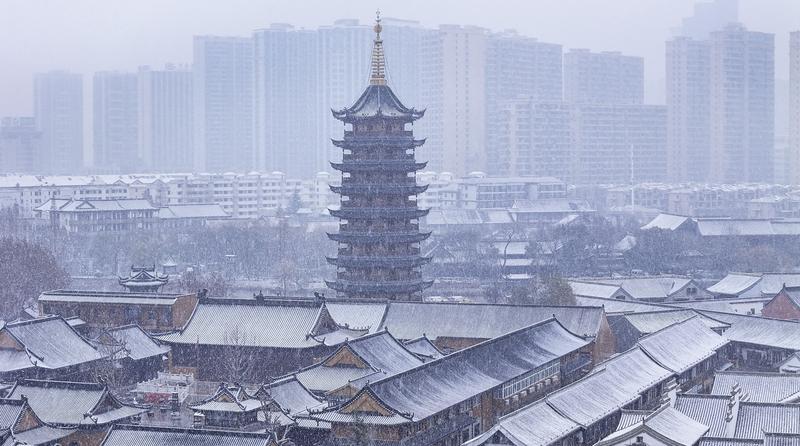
<point x="91" y="35"/>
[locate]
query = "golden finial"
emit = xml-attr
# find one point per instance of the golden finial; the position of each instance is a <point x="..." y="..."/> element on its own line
<point x="378" y="63"/>
<point x="378" y="28"/>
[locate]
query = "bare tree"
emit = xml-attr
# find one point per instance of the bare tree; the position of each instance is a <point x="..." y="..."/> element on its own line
<point x="26" y="269"/>
<point x="236" y="361"/>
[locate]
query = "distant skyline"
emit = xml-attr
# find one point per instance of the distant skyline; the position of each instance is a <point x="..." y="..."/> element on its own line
<point x="85" y="36"/>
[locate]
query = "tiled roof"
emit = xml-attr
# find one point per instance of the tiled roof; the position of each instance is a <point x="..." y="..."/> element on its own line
<point x="291" y="395"/>
<point x="125" y="435"/>
<point x="651" y="322"/>
<point x="720" y="441"/>
<point x="754" y="419"/>
<point x="666" y="221"/>
<point x="781" y="439"/>
<point x="409" y="320"/>
<point x="121" y="297"/>
<point x="383" y="354"/>
<point x="535" y="425"/>
<point x="759" y="387"/>
<point x="757" y="330"/>
<point x="461" y="375"/>
<point x="683" y="345"/>
<point x="137" y="343"/>
<point x="49" y="342"/>
<point x="612" y="385"/>
<point x="707" y="410"/>
<point x="278" y="324"/>
<point x="65" y="403"/>
<point x="424" y="348"/>
<point x="665" y="422"/>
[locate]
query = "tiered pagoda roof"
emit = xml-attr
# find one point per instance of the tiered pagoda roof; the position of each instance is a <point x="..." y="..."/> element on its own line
<point x="378" y="253"/>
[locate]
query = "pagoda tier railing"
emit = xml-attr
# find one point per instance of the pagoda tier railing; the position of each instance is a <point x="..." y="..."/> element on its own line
<point x="376" y="238"/>
<point x="410" y="261"/>
<point x="388" y="287"/>
<point x="371" y="213"/>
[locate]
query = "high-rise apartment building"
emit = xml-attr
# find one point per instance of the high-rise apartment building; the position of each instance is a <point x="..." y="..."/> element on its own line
<point x="584" y="143"/>
<point x="517" y="67"/>
<point x="603" y="78"/>
<point x="20" y="145"/>
<point x="720" y="100"/>
<point x="115" y="122"/>
<point x="688" y="98"/>
<point x="285" y="113"/>
<point x="794" y="108"/>
<point x="708" y="16"/>
<point x="534" y="139"/>
<point x="454" y="95"/>
<point x="58" y="110"/>
<point x="223" y="103"/>
<point x="165" y="131"/>
<point x="742" y="105"/>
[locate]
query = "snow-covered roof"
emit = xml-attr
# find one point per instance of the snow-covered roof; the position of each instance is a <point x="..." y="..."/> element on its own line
<point x="665" y="423"/>
<point x="535" y="425"/>
<point x="109" y="297"/>
<point x="278" y="324"/>
<point x="47" y="343"/>
<point x="66" y="403"/>
<point x="128" y="435"/>
<point x="707" y="410"/>
<point x="681" y="346"/>
<point x="643" y="288"/>
<point x="760" y="387"/>
<point x="653" y="321"/>
<point x="424" y="348"/>
<point x="462" y="375"/>
<point x="122" y="204"/>
<point x="290" y="394"/>
<point x="666" y="221"/>
<point x="734" y="284"/>
<point x="137" y="343"/>
<point x="612" y="385"/>
<point x="593" y="289"/>
<point x="380" y="354"/>
<point x="617" y="306"/>
<point x="410" y="320"/>
<point x="761" y="331"/>
<point x="178" y="211"/>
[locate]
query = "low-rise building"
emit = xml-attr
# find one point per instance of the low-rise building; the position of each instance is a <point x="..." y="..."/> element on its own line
<point x="664" y="426"/>
<point x="352" y="365"/>
<point x="19" y="425"/>
<point x="759" y="387"/>
<point x="654" y="289"/>
<point x="128" y="435"/>
<point x="155" y="312"/>
<point x="137" y="355"/>
<point x="460" y="395"/>
<point x="591" y="408"/>
<point x="46" y="348"/>
<point x="92" y="216"/>
<point x="785" y="305"/>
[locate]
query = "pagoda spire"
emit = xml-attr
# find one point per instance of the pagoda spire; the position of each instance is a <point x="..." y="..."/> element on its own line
<point x="378" y="62"/>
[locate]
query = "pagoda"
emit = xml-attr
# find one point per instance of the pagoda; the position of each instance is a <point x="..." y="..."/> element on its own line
<point x="379" y="255"/>
<point x="144" y="280"/>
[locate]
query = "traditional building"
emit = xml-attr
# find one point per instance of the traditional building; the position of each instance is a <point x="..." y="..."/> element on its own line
<point x="45" y="348"/>
<point x="106" y="309"/>
<point x="785" y="305"/>
<point x="19" y="425"/>
<point x="144" y="280"/>
<point x="127" y="435"/>
<point x="138" y="356"/>
<point x="454" y="398"/>
<point x="230" y="407"/>
<point x="378" y="255"/>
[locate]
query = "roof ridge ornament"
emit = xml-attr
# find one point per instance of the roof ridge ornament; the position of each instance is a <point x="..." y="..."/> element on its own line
<point x="378" y="61"/>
